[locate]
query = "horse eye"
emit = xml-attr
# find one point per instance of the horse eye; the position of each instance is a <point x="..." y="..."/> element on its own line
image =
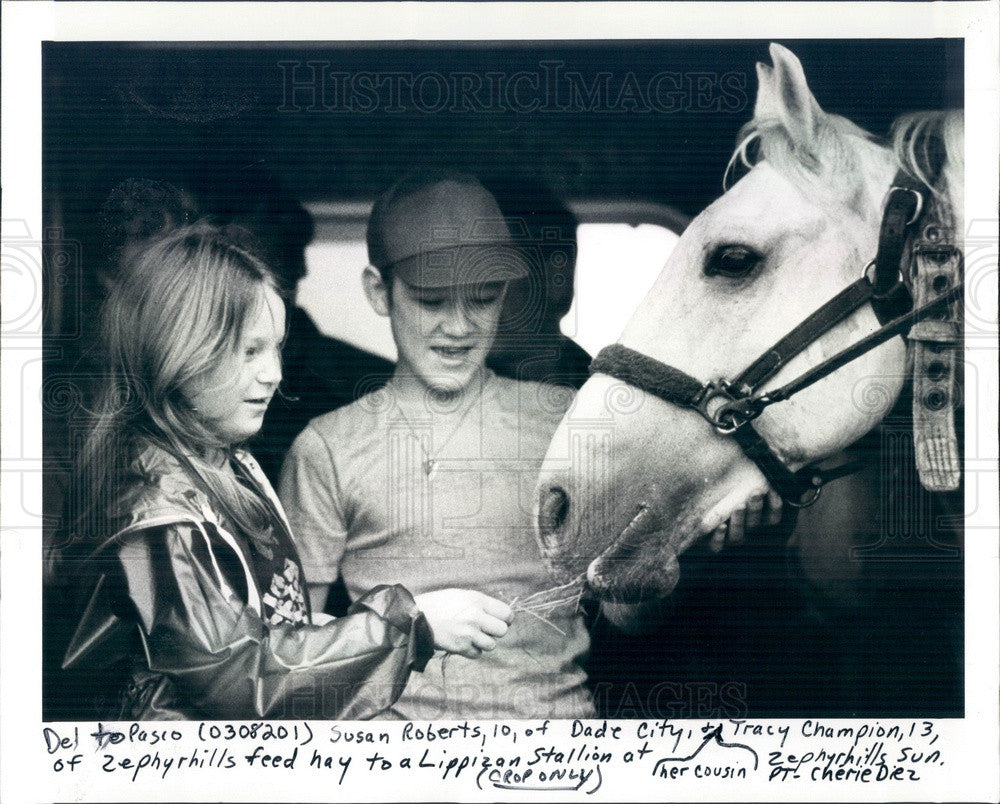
<point x="732" y="261"/>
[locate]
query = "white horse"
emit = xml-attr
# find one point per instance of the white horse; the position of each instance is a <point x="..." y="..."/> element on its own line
<point x="631" y="481"/>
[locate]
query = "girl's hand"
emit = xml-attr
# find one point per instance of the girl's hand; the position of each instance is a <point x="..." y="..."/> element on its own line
<point x="464" y="621"/>
<point x="763" y="510"/>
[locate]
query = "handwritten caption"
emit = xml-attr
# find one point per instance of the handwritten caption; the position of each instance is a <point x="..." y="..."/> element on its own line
<point x="544" y="755"/>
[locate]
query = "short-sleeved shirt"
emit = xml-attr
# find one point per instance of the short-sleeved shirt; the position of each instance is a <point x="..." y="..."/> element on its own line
<point x="434" y="496"/>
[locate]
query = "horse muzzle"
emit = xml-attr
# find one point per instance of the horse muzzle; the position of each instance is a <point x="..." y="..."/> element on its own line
<point x="613" y="501"/>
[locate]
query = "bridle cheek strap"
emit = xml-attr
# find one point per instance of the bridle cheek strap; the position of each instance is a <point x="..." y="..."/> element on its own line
<point x="731" y="406"/>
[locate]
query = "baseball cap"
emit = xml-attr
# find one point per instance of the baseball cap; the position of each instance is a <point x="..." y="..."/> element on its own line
<point x="438" y="228"/>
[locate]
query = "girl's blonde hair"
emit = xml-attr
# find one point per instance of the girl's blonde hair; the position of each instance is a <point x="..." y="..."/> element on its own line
<point x="176" y="314"/>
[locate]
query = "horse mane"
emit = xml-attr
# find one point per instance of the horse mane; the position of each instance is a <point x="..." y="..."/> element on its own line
<point x="769" y="140"/>
<point x="927" y="144"/>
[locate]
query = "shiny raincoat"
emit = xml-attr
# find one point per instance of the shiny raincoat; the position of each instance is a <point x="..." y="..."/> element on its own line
<point x="184" y="617"/>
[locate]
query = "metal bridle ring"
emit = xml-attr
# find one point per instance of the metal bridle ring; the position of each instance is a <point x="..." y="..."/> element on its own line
<point x="709" y="392"/>
<point x="866" y="271"/>
<point x="723" y="428"/>
<point x="731" y="416"/>
<point x="809" y="496"/>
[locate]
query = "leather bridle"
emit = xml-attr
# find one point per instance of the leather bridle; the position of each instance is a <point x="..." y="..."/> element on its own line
<point x="730" y="405"/>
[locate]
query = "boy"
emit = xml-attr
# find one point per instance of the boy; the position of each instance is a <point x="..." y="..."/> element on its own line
<point x="429" y="481"/>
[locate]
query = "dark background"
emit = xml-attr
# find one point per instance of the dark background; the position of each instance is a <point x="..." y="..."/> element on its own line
<point x="208" y="116"/>
<point x="172" y="110"/>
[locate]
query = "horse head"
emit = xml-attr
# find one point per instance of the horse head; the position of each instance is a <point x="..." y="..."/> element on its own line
<point x="631" y="481"/>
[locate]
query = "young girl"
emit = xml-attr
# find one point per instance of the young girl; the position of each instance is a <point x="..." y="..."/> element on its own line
<point x="187" y="580"/>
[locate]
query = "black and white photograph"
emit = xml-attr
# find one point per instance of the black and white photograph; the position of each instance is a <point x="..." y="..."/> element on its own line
<point x="418" y="410"/>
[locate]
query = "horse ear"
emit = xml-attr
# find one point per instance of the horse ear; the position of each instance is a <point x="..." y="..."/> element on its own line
<point x="784" y="96"/>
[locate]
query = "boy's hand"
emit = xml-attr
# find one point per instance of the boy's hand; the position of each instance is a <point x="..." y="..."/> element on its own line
<point x="464" y="621"/>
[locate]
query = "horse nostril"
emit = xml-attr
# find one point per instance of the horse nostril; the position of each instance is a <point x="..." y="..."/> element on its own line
<point x="552" y="510"/>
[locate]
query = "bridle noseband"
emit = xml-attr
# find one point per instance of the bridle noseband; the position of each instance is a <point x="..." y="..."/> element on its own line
<point x="730" y="405"/>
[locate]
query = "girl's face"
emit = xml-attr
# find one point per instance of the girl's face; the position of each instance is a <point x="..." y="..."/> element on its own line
<point x="232" y="399"/>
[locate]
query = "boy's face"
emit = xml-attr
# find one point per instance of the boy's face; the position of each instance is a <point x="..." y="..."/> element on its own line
<point x="444" y="334"/>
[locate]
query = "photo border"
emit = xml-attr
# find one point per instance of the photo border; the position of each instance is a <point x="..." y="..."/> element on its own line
<point x="25" y="767"/>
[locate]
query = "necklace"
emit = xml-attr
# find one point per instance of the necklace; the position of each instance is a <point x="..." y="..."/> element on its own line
<point x="430" y="461"/>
